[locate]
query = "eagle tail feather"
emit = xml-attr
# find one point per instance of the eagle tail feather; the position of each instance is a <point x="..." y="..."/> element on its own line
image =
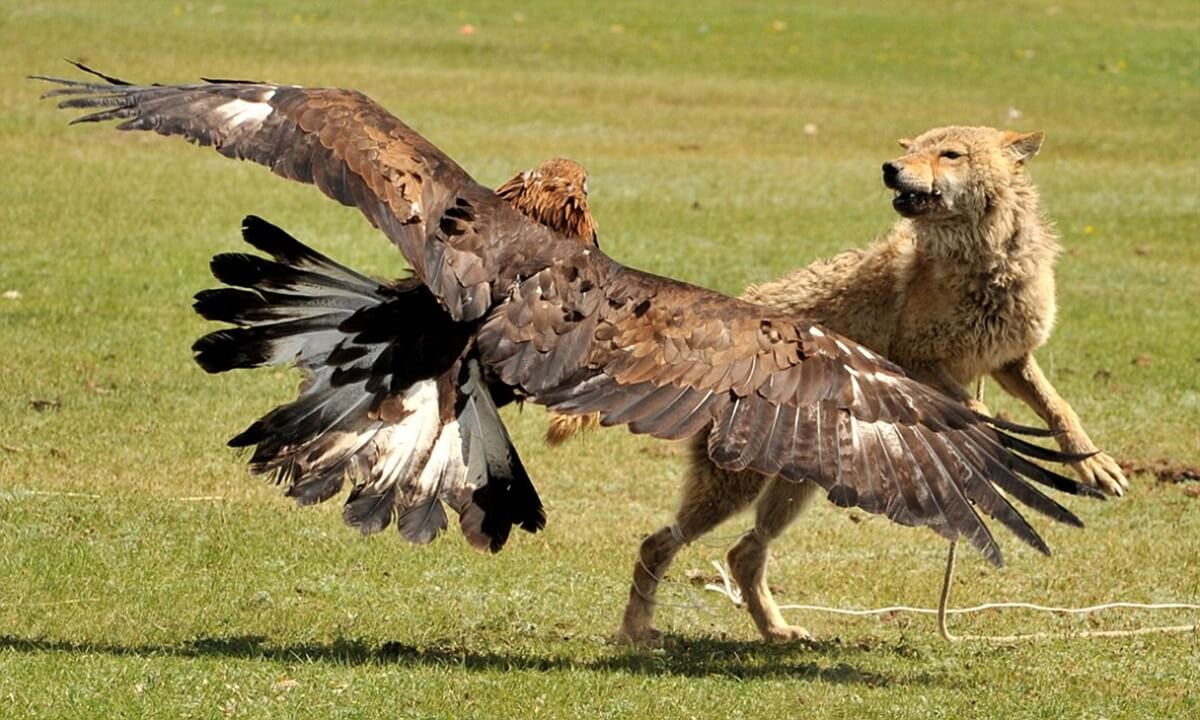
<point x="390" y="399"/>
<point x="508" y="496"/>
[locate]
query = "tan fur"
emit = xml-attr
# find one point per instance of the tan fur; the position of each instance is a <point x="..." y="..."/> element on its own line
<point x="962" y="287"/>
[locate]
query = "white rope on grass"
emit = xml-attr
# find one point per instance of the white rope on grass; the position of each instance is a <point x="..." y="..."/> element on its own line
<point x="731" y="591"/>
<point x="948" y="580"/>
<point x="944" y="629"/>
<point x="728" y="589"/>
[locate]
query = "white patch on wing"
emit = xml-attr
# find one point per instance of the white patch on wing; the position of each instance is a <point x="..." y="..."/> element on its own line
<point x="856" y="443"/>
<point x="816" y="331"/>
<point x="879" y="377"/>
<point x="337" y="446"/>
<point x="859" y="397"/>
<point x="445" y="456"/>
<point x="459" y="484"/>
<point x="239" y="112"/>
<point x="450" y="448"/>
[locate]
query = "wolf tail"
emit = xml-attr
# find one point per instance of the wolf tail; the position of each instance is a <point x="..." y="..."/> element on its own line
<point x="393" y="396"/>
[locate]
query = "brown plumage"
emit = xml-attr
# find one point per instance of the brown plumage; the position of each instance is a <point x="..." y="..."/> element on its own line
<point x="377" y="415"/>
<point x="563" y="325"/>
<point x="403" y="426"/>
<point x="373" y="417"/>
<point x="554" y="194"/>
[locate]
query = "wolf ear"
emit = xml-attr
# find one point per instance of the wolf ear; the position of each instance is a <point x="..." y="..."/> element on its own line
<point x="1022" y="146"/>
<point x="905" y="143"/>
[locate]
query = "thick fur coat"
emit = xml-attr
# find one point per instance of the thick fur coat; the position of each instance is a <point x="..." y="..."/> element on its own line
<point x="961" y="287"/>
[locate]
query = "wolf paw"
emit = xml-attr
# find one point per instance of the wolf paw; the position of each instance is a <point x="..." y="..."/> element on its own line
<point x="787" y="633"/>
<point x="637" y="636"/>
<point x="1101" y="471"/>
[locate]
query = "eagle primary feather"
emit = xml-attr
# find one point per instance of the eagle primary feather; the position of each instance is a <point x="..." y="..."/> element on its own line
<point x="565" y="326"/>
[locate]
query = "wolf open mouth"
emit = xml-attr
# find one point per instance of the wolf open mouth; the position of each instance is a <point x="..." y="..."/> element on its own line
<point x="911" y="202"/>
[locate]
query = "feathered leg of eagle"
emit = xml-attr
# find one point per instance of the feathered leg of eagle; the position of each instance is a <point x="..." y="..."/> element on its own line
<point x="561" y="428"/>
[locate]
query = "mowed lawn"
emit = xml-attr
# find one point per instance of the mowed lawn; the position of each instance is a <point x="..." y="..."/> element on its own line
<point x="145" y="573"/>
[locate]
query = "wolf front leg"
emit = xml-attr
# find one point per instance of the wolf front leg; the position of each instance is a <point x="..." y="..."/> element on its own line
<point x="1025" y="381"/>
<point x="778" y="506"/>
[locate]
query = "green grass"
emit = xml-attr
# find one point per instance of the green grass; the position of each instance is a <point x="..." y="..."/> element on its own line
<point x="133" y="598"/>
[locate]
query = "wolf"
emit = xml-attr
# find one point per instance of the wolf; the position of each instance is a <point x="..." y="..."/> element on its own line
<point x="961" y="287"/>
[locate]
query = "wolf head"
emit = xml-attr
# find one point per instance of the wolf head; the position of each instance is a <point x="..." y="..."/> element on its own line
<point x="958" y="173"/>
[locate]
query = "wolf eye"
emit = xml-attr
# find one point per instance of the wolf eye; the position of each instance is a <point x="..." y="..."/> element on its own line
<point x="951" y="154"/>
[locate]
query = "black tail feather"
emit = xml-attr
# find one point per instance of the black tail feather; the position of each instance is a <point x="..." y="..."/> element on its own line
<point x="385" y="370"/>
<point x="370" y="509"/>
<point x="1038" y="452"/>
<point x="106" y="78"/>
<point x="508" y="498"/>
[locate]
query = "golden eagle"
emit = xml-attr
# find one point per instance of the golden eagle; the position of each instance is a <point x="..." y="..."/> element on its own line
<point x="542" y="316"/>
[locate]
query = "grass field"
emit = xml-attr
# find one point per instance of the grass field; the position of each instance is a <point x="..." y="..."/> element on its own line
<point x="144" y="573"/>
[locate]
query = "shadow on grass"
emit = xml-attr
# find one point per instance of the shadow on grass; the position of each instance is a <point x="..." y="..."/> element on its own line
<point x="691" y="657"/>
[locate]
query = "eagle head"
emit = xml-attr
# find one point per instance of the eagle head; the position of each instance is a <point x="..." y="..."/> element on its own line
<point x="554" y="194"/>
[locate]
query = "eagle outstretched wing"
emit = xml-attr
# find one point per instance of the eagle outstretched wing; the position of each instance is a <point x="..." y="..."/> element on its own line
<point x="777" y="394"/>
<point x="572" y="329"/>
<point x="352" y="149"/>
